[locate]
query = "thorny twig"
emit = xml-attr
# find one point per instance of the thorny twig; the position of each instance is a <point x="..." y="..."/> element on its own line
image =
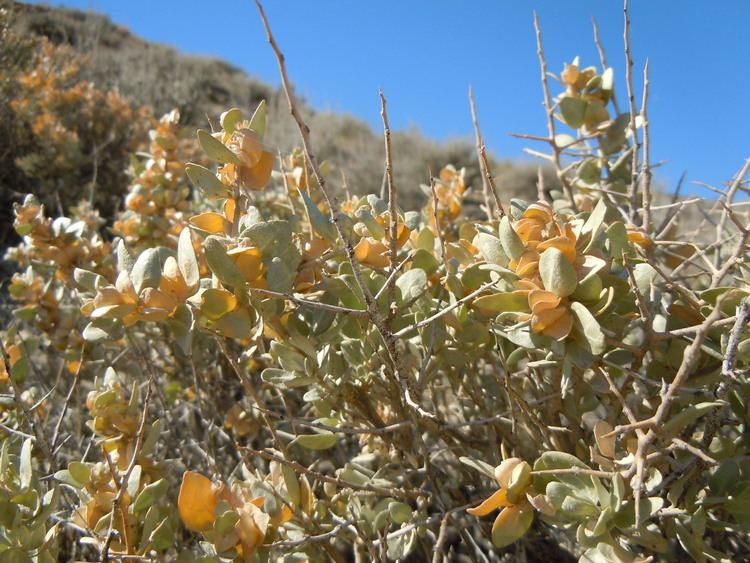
<point x="727" y="203"/>
<point x="549" y="109"/>
<point x="647" y="174"/>
<point x="728" y="375"/>
<point x="690" y="358"/>
<point x="488" y="182"/>
<point x="633" y="188"/>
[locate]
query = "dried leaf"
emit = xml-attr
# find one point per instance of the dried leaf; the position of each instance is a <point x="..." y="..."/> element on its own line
<point x="606" y="444"/>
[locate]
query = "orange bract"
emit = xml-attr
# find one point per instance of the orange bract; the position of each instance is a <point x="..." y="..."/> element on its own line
<point x="250" y="262"/>
<point x="252" y="177"/>
<point x="247" y="145"/>
<point x="513" y="476"/>
<point x="210" y="222"/>
<point x="372" y="252"/>
<point x="197" y="501"/>
<point x="449" y="193"/>
<point x="173" y="284"/>
<point x="541" y="229"/>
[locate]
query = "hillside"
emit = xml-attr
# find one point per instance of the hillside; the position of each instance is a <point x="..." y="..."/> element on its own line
<point x="162" y="78"/>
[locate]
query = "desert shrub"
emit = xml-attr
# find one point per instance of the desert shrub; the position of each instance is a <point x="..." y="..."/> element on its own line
<point x="145" y="73"/>
<point x="16" y="54"/>
<point x="79" y="135"/>
<point x="65" y="139"/>
<point x="263" y="368"/>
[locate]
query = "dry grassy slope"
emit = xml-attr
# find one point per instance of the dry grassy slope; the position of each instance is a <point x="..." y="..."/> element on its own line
<point x="161" y="77"/>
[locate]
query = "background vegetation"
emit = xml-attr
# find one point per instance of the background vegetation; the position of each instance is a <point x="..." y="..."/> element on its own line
<point x="156" y="78"/>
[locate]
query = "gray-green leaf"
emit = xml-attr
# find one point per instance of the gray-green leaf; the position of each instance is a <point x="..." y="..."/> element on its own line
<point x="589" y="327"/>
<point x="215" y="149"/>
<point x="146" y="271"/>
<point x="221" y="264"/>
<point x="205" y="180"/>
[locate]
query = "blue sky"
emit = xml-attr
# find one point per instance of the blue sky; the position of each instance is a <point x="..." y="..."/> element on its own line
<point x="424" y="55"/>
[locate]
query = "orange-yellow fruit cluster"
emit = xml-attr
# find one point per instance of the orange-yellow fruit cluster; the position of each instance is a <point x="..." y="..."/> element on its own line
<point x="158" y="197"/>
<point x="449" y="193"/>
<point x="255" y="163"/>
<point x="549" y="263"/>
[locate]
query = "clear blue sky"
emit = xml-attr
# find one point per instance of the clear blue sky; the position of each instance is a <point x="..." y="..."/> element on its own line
<point x="424" y="55"/>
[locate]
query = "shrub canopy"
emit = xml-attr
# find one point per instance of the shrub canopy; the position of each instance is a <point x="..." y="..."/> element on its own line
<point x="310" y="375"/>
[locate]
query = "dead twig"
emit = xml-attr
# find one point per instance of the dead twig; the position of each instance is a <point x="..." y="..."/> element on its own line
<point x="488" y="183"/>
<point x="549" y="109"/>
<point x="392" y="208"/>
<point x="633" y="188"/>
<point x="646" y="175"/>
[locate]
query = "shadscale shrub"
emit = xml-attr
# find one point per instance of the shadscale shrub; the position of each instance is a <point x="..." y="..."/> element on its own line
<point x="253" y="370"/>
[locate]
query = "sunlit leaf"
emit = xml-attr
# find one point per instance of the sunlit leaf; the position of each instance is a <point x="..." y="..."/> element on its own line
<point x="512" y="301"/>
<point x="411" y="284"/>
<point x="511" y="242"/>
<point x="215" y="149"/>
<point x="573" y="111"/>
<point x="283" y="378"/>
<point x="221" y="264"/>
<point x="230" y="118"/>
<point x="235" y="324"/>
<point x="589" y="327"/>
<point x="320" y="222"/>
<point x="205" y="180"/>
<point x="558" y="274"/>
<point x="258" y="120"/>
<point x="25" y="471"/>
<point x="150" y="494"/>
<point x="146" y="271"/>
<point x="512" y="524"/>
<point x="197" y="501"/>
